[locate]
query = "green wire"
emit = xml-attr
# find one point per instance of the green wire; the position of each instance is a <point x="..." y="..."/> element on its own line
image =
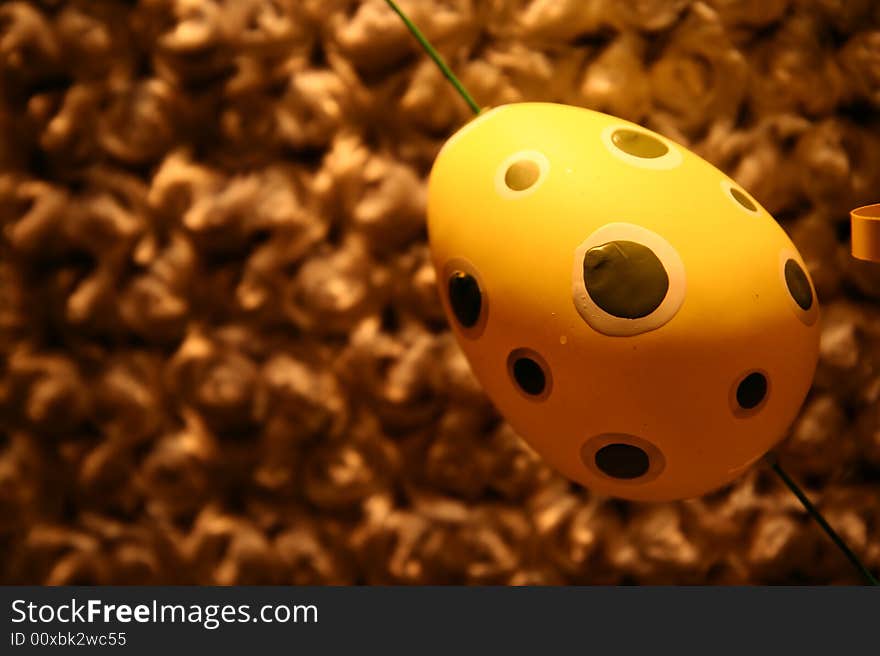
<point x="433" y="54"/>
<point x="821" y="521"/>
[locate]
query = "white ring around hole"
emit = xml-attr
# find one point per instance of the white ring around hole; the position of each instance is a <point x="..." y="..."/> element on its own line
<point x="532" y="155"/>
<point x="608" y="324"/>
<point x="670" y="160"/>
<point x="727" y="187"/>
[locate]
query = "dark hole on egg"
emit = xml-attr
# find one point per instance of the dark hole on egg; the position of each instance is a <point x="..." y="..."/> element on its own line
<point x="624" y="278"/>
<point x="743" y="200"/>
<point x="751" y="391"/>
<point x="798" y="284"/>
<point x="529" y="375"/>
<point x="522" y="174"/>
<point x="623" y="461"/>
<point x="639" y="144"/>
<point x="465" y="298"/>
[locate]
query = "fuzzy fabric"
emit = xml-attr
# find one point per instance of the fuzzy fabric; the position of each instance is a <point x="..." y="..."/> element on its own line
<point x="222" y="354"/>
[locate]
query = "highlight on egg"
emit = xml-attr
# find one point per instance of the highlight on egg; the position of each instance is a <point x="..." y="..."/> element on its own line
<point x="634" y="314"/>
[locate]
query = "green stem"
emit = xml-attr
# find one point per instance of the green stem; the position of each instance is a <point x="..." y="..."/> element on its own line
<point x="821" y="521"/>
<point x="433" y="54"/>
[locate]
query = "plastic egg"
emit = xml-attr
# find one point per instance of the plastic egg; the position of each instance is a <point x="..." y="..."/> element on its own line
<point x="634" y="314"/>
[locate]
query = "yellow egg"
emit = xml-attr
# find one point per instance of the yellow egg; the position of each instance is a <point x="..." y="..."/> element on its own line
<point x="634" y="314"/>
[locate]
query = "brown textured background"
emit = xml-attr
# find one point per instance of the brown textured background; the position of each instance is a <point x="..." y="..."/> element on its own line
<point x="222" y="358"/>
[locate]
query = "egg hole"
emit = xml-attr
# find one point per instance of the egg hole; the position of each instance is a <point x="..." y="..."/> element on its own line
<point x="798" y="284"/>
<point x="751" y="391"/>
<point x="530" y="373"/>
<point x="522" y="174"/>
<point x="624" y="278"/>
<point x="639" y="144"/>
<point x="529" y="376"/>
<point x="465" y="298"/>
<point x="743" y="200"/>
<point x="624" y="461"/>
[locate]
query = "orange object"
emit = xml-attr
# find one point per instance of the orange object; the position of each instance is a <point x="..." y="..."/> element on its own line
<point x="866" y="232"/>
